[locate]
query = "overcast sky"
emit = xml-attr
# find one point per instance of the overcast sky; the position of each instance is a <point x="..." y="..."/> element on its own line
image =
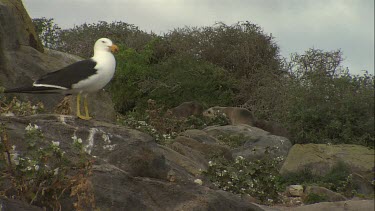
<point x="297" y="25"/>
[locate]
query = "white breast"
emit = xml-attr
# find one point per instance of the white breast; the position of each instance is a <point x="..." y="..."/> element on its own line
<point x="106" y="65"/>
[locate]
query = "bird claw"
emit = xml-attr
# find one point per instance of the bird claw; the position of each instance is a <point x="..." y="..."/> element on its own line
<point x="84" y="117"/>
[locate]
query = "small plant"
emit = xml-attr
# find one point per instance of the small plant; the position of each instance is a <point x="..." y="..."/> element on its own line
<point x="42" y="176"/>
<point x="163" y="125"/>
<point x="257" y="178"/>
<point x="19" y="108"/>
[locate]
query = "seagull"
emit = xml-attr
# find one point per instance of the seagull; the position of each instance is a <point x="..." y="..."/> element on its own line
<point x="80" y="78"/>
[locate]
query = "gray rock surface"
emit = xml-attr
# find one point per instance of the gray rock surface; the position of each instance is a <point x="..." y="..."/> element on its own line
<point x="256" y="141"/>
<point x="131" y="171"/>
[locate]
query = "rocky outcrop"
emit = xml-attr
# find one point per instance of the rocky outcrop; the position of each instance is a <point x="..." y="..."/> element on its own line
<point x="131" y="171"/>
<point x="23" y="60"/>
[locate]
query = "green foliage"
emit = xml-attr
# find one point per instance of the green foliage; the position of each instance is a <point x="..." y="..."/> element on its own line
<point x="175" y="80"/>
<point x="43" y="176"/>
<point x="325" y="104"/>
<point x="257" y="178"/>
<point x="243" y="50"/>
<point x="49" y="33"/>
<point x="80" y="39"/>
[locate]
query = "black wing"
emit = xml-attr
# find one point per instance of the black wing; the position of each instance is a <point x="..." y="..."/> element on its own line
<point x="69" y="75"/>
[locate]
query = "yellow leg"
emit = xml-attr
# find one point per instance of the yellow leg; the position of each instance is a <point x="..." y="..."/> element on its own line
<point x="79" y="105"/>
<point x="86" y="108"/>
<point x="79" y="115"/>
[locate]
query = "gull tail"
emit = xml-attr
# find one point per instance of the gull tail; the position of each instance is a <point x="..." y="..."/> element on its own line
<point x="34" y="89"/>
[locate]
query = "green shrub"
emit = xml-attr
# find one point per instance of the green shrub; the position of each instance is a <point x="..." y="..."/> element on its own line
<point x="170" y="82"/>
<point x="48" y="31"/>
<point x="325" y="104"/>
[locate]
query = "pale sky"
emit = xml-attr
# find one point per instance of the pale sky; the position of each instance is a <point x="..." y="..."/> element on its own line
<point x="297" y="25"/>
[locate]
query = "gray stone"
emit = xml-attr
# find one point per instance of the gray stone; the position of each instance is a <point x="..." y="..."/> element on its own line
<point x="131" y="171"/>
<point x="329" y="195"/>
<point x="295" y="190"/>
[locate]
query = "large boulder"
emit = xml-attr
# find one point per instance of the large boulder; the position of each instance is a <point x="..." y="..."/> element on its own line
<point x="256" y="141"/>
<point x="321" y="158"/>
<point x="131" y="171"/>
<point x="23" y="60"/>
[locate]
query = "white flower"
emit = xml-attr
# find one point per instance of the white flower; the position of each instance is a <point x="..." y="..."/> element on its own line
<point x="14" y="147"/>
<point x="55" y="143"/>
<point x="28" y="127"/>
<point x="210" y="163"/>
<point x="198" y="181"/>
<point x="15" y="158"/>
<point x="28" y="168"/>
<point x="36" y="167"/>
<point x="55" y="171"/>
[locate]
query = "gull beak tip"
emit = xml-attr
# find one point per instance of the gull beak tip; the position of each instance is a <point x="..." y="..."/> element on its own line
<point x="114" y="48"/>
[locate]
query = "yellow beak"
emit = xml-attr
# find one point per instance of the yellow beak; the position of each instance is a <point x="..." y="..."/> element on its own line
<point x="114" y="48"/>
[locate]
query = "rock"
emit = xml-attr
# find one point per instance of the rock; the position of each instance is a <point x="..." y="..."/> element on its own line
<point x="320" y="158"/>
<point x="131" y="171"/>
<point x="295" y="190"/>
<point x="16" y="28"/>
<point x="200" y="136"/>
<point x="273" y="127"/>
<point x="23" y="60"/>
<point x="187" y="109"/>
<point x="256" y="141"/>
<point x="351" y="205"/>
<point x="329" y="195"/>
<point x="234" y="114"/>
<point x="12" y="204"/>
<point x="362" y="185"/>
<point x="199" y="152"/>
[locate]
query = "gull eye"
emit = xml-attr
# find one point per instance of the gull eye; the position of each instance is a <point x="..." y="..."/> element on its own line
<point x="103" y="41"/>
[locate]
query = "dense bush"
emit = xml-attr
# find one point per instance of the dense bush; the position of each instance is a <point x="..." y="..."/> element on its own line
<point x="325" y="104"/>
<point x="48" y="32"/>
<point x="171" y="82"/>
